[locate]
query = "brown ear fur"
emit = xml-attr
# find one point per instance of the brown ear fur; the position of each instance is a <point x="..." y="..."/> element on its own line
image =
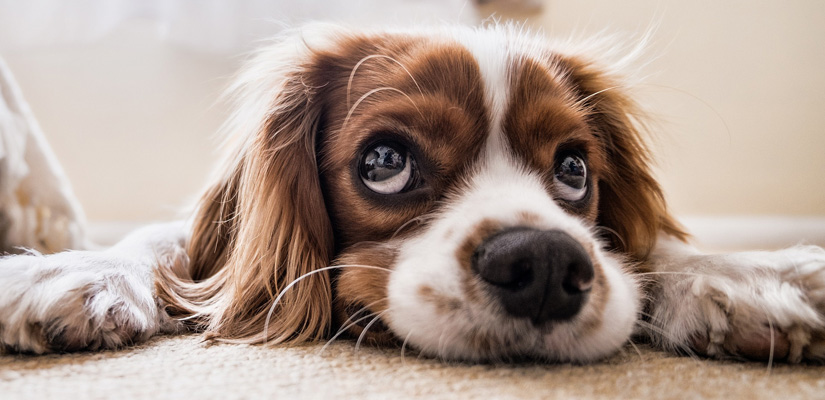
<point x="263" y="226"/>
<point x="631" y="204"/>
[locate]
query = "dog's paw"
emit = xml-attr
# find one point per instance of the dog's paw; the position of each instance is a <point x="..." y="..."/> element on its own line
<point x="757" y="305"/>
<point x="77" y="301"/>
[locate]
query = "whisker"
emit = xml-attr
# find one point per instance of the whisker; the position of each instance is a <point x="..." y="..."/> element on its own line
<point x="418" y="219"/>
<point x="677" y="345"/>
<point x="694" y="274"/>
<point x="615" y="233"/>
<point x="773" y="345"/>
<point x="639" y="352"/>
<point x="349" y="323"/>
<point x="366" y="328"/>
<point x="404" y="347"/>
<point x="344" y="329"/>
<point x="773" y="337"/>
<point x="361" y="266"/>
<point x="370" y="93"/>
<point x="580" y="104"/>
<point x="648" y="315"/>
<point x="664" y="334"/>
<point x="441" y="349"/>
<point x="699" y="99"/>
<point x="369" y="57"/>
<point x="300" y="278"/>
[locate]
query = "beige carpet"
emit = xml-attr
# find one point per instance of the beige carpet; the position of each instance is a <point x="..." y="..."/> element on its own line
<point x="185" y="368"/>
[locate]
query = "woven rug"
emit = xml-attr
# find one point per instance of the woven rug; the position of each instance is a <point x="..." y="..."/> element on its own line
<point x="183" y="367"/>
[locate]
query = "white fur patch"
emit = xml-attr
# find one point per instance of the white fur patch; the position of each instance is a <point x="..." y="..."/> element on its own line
<point x="88" y="299"/>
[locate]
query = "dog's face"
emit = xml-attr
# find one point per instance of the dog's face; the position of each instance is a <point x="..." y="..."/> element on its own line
<point x="468" y="171"/>
<point x="480" y="192"/>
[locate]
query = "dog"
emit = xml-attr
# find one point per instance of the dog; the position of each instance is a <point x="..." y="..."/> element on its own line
<point x="477" y="194"/>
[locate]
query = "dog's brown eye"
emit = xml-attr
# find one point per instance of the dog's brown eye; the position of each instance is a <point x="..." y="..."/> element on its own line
<point x="386" y="168"/>
<point x="571" y="178"/>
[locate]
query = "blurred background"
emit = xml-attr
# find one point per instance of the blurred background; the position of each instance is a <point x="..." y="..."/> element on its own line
<point x="126" y="92"/>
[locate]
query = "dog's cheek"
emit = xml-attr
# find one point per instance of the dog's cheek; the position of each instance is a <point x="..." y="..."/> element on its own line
<point x="361" y="291"/>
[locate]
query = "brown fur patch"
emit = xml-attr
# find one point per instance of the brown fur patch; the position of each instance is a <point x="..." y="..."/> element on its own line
<point x="361" y="289"/>
<point x="543" y="120"/>
<point x="436" y="110"/>
<point x="477" y="235"/>
<point x="443" y="304"/>
<point x="527" y="218"/>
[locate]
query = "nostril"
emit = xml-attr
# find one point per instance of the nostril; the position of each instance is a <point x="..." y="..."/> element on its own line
<point x="578" y="286"/>
<point x="579" y="277"/>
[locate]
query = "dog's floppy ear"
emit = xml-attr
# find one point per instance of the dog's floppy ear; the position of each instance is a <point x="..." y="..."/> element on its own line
<point x="631" y="203"/>
<point x="263" y="225"/>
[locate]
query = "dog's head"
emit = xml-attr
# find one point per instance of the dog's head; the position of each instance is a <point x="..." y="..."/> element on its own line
<point x="479" y="193"/>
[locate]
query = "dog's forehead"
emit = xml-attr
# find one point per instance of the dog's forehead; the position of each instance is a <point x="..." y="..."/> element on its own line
<point x="512" y="94"/>
<point x="531" y="106"/>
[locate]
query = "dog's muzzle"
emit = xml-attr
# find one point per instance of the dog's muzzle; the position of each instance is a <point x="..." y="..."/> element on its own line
<point x="540" y="275"/>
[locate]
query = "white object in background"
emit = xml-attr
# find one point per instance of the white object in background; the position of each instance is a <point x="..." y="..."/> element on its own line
<point x="727" y="233"/>
<point x="227" y="26"/>
<point x="38" y="209"/>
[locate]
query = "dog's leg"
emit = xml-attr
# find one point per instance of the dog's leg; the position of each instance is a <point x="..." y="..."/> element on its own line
<point x="89" y="300"/>
<point x="760" y="305"/>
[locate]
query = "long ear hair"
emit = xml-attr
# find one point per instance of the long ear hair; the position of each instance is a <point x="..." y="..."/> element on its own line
<point x="631" y="204"/>
<point x="263" y="224"/>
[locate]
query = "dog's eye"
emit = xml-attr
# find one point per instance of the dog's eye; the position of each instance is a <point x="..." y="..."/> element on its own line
<point x="386" y="168"/>
<point x="571" y="178"/>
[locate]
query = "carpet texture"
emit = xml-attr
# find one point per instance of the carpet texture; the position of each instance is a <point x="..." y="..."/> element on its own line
<point x="185" y="368"/>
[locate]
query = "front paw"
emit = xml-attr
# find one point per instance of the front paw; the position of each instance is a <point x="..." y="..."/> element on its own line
<point x="76" y="301"/>
<point x="757" y="305"/>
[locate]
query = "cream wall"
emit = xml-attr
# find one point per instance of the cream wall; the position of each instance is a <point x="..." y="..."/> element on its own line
<point x="736" y="88"/>
<point x="737" y="94"/>
<point x="130" y="117"/>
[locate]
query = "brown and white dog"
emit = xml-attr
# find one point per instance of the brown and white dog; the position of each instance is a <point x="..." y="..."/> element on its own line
<point x="477" y="194"/>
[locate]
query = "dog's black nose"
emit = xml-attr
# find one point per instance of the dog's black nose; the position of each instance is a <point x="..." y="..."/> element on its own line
<point x="541" y="275"/>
